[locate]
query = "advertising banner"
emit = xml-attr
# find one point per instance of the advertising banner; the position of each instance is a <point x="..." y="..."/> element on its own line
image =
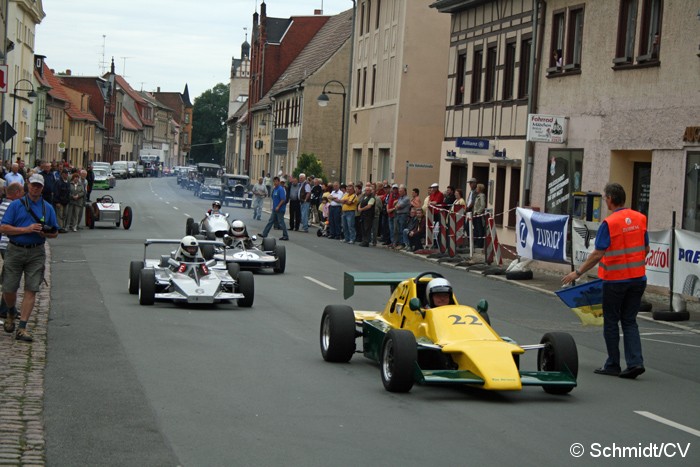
<point x="583" y="241"/>
<point x="541" y="236"/>
<point x="686" y="272"/>
<point x="546" y="128"/>
<point x="658" y="264"/>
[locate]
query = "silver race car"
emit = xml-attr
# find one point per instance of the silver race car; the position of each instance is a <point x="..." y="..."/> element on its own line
<point x="189" y="278"/>
<point x="248" y="253"/>
<point x="214" y="225"/>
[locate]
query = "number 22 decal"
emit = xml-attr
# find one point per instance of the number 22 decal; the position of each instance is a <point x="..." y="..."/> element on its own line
<point x="458" y="320"/>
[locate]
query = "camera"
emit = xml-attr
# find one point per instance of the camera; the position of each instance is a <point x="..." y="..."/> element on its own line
<point x="48" y="229"/>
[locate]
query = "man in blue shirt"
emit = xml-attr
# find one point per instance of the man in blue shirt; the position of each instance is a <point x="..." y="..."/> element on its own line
<point x="14" y="176"/>
<point x="279" y="206"/>
<point x="28" y="222"/>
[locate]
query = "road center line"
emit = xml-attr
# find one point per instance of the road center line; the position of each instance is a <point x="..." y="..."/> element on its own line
<point x="668" y="422"/>
<point x="674" y="343"/>
<point x="315" y="281"/>
<point x="175" y="207"/>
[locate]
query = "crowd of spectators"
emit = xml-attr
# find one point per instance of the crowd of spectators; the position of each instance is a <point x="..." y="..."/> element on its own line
<point x="66" y="188"/>
<point x="376" y="213"/>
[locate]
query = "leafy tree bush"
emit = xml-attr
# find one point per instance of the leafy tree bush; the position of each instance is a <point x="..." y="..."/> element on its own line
<point x="209" y="125"/>
<point x="309" y="165"/>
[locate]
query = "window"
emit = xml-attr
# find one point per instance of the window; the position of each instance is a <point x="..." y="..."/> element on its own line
<point x="459" y="79"/>
<point x="362" y="18"/>
<point x="369" y="14"/>
<point x="357" y="87"/>
<point x="650" y="31"/>
<point x="564" y="169"/>
<point x="364" y="86"/>
<point x="379" y="9"/>
<point x="490" y="88"/>
<point x="509" y="71"/>
<point x="626" y="29"/>
<point x="374" y="84"/>
<point x="476" y="76"/>
<point x="557" y="40"/>
<point x="524" y="68"/>
<point x="574" y="39"/>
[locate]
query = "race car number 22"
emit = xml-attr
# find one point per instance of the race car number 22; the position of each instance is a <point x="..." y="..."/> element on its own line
<point x="471" y="320"/>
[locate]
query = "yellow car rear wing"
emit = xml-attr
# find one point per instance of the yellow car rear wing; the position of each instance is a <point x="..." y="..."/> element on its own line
<point x="392" y="279"/>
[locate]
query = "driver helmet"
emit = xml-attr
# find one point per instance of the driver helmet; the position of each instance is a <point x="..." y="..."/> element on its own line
<point x="438" y="285"/>
<point x="216" y="205"/>
<point x="189" y="247"/>
<point x="238" y="228"/>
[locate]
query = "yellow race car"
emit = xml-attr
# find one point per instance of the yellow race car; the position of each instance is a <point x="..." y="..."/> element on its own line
<point x="424" y="336"/>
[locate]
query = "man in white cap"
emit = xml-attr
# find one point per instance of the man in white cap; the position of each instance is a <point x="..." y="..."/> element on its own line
<point x="28" y="222"/>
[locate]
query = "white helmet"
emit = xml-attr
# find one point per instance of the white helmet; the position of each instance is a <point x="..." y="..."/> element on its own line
<point x="189" y="247"/>
<point x="216" y="204"/>
<point x="438" y="285"/>
<point x="238" y="228"/>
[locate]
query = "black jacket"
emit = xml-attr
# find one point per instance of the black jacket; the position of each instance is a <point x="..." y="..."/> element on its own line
<point x="61" y="194"/>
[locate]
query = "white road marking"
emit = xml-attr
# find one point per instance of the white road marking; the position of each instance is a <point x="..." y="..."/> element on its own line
<point x="668" y="422"/>
<point x="668" y="342"/>
<point x="669" y="323"/>
<point x="186" y="215"/>
<point x="315" y="281"/>
<point x="167" y="202"/>
<point x="175" y="207"/>
<point x="665" y="333"/>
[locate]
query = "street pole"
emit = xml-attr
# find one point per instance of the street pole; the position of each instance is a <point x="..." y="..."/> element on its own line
<point x="322" y="101"/>
<point x="30" y="95"/>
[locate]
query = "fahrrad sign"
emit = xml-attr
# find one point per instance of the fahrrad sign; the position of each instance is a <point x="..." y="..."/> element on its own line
<point x="547" y="128"/>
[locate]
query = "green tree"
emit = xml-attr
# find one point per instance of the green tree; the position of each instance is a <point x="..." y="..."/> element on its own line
<point x="209" y="125"/>
<point x="308" y="164"/>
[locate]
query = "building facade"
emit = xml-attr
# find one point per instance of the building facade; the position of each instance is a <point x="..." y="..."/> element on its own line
<point x="397" y="92"/>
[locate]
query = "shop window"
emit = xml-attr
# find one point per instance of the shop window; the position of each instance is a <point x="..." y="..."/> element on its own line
<point x="691" y="202"/>
<point x="564" y="170"/>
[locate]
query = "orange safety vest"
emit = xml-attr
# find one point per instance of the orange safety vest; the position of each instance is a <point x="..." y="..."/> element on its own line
<point x="626" y="255"/>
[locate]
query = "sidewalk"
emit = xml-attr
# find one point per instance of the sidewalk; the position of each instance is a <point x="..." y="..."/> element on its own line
<point x="22" y="385"/>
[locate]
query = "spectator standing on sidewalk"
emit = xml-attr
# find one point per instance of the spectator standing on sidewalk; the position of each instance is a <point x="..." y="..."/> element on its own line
<point x="28" y="221"/>
<point x="259" y="194"/>
<point x="401" y="213"/>
<point x="12" y="192"/>
<point x="366" y="210"/>
<point x="335" y="212"/>
<point x="15" y="176"/>
<point x="90" y="181"/>
<point x="294" y="204"/>
<point x="304" y="198"/>
<point x="349" y="202"/>
<point x="621" y="246"/>
<point x="49" y="181"/>
<point x="316" y="194"/>
<point x="76" y="203"/>
<point x="61" y="198"/>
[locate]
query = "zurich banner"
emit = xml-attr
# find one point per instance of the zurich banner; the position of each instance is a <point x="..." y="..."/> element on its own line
<point x="541" y="236"/>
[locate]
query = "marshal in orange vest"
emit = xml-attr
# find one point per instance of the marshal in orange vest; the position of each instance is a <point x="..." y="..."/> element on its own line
<point x="625" y="257"/>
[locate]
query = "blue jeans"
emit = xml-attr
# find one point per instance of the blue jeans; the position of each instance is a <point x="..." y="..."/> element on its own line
<point x="400" y="221"/>
<point x="349" y="226"/>
<point x="620" y="305"/>
<point x="390" y="221"/>
<point x="334" y="212"/>
<point x="276" y="217"/>
<point x="304" y="216"/>
<point x="257" y="207"/>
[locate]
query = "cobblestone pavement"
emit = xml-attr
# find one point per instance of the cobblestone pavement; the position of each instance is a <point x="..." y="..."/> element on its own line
<point x="22" y="386"/>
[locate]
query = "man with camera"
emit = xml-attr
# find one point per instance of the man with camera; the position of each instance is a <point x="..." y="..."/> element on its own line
<point x="28" y="222"/>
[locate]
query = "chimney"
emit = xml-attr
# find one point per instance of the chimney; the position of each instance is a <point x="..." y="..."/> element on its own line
<point x="158" y="89"/>
<point x="318" y="12"/>
<point x="111" y="69"/>
<point x="68" y="73"/>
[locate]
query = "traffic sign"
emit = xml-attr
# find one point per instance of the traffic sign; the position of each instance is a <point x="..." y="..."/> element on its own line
<point x="6" y="131"/>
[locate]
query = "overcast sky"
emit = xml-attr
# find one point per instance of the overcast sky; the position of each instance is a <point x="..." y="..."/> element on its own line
<point x="166" y="43"/>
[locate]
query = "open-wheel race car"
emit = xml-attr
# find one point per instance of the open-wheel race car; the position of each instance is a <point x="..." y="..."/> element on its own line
<point x="415" y="339"/>
<point x="249" y="253"/>
<point x="104" y="209"/>
<point x="189" y="279"/>
<point x="214" y="225"/>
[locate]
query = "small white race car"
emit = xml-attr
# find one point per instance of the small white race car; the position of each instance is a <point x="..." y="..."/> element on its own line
<point x="198" y="281"/>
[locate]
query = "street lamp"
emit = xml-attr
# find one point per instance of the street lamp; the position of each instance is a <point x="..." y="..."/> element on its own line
<point x="30" y="95"/>
<point x="323" y="101"/>
<point x="44" y="116"/>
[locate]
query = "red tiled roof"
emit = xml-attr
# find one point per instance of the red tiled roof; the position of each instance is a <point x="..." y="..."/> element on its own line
<point x="129" y="122"/>
<point x="129" y="90"/>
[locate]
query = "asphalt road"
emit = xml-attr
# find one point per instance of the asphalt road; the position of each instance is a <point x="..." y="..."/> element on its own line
<point x="170" y="385"/>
